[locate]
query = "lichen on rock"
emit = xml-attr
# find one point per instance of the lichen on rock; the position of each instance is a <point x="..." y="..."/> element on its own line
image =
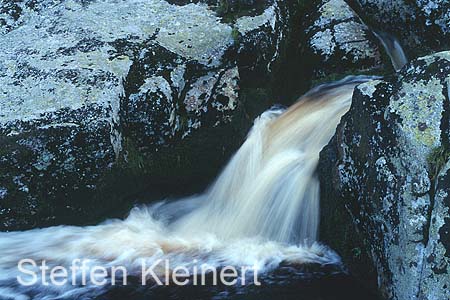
<point x="91" y="90"/>
<point x="385" y="181"/>
<point x="338" y="41"/>
<point x="423" y="26"/>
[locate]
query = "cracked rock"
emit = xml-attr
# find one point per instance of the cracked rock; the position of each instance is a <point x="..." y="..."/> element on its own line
<point x="392" y="187"/>
<point x="338" y="41"/>
<point x="91" y="90"/>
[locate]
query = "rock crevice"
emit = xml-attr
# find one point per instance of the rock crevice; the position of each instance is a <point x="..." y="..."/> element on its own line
<point x="388" y="161"/>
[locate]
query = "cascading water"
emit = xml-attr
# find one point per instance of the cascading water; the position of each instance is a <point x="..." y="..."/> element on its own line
<point x="393" y="49"/>
<point x="262" y="210"/>
<point x="269" y="189"/>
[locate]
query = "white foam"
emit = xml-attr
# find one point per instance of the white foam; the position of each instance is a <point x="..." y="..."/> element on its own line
<point x="262" y="210"/>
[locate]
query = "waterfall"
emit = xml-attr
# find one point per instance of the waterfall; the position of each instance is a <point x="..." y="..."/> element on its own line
<point x="393" y="48"/>
<point x="269" y="188"/>
<point x="262" y="210"/>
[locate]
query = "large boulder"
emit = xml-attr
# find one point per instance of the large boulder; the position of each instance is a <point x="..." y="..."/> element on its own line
<point x="385" y="180"/>
<point x="423" y="26"/>
<point x="101" y="99"/>
<point x="337" y="42"/>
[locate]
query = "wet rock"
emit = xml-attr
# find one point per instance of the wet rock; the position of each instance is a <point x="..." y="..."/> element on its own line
<point x="98" y="94"/>
<point x="422" y="26"/>
<point x="386" y="172"/>
<point x="338" y="41"/>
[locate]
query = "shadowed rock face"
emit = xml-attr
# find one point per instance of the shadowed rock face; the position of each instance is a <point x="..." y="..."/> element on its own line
<point x="95" y="91"/>
<point x="423" y="26"/>
<point x="389" y="181"/>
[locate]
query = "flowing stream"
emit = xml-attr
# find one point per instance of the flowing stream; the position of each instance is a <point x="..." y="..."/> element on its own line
<point x="262" y="211"/>
<point x="393" y="49"/>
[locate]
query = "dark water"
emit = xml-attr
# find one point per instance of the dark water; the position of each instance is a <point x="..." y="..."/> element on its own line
<point x="286" y="282"/>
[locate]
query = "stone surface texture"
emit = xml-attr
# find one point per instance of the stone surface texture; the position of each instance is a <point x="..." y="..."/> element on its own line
<point x="389" y="179"/>
<point x="87" y="87"/>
